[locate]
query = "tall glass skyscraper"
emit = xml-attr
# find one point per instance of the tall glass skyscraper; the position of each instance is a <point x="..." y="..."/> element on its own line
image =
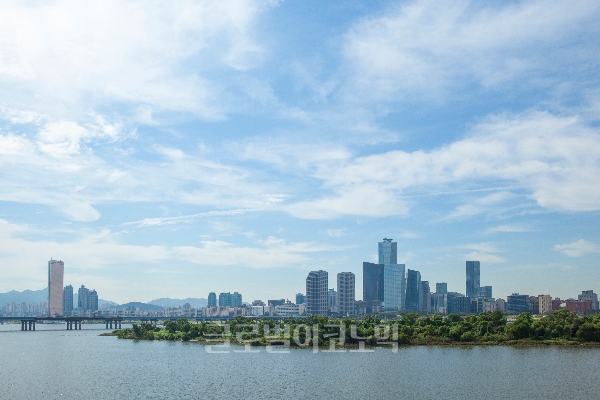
<point x="82" y="298"/>
<point x="56" y="272"/>
<point x="372" y="284"/>
<point x="413" y="291"/>
<point x="346" y="293"/>
<point x="394" y="287"/>
<point x="388" y="252"/>
<point x="441" y="288"/>
<point x="472" y="279"/>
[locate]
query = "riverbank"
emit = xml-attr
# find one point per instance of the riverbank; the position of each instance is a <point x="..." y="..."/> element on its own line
<point x="562" y="328"/>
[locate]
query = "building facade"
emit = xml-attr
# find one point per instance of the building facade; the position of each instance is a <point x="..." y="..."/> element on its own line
<point x="317" y="283"/>
<point x="300" y="298"/>
<point x="425" y="296"/>
<point x="68" y="300"/>
<point x="517" y="302"/>
<point x="82" y="298"/>
<point x="486" y="291"/>
<point x="346" y="285"/>
<point x="212" y="299"/>
<point x="332" y="301"/>
<point x="394" y="287"/>
<point x="590" y="296"/>
<point x="388" y="252"/>
<point x="372" y="285"/>
<point x="413" y="291"/>
<point x="441" y="288"/>
<point x="56" y="272"/>
<point x="545" y="304"/>
<point x="472" y="269"/>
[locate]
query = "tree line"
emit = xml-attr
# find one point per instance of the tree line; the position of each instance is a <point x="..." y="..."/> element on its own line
<point x="560" y="327"/>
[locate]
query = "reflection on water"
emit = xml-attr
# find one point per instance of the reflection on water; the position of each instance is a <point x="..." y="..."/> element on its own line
<point x="83" y="365"/>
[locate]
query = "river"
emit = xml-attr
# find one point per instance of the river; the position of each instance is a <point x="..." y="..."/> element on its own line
<point x="53" y="363"/>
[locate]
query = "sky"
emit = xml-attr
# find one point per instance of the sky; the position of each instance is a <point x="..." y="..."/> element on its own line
<point x="172" y="149"/>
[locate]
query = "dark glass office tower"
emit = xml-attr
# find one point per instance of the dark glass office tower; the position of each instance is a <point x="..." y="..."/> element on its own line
<point x="472" y="279"/>
<point x="372" y="284"/>
<point x="441" y="288"/>
<point x="413" y="291"/>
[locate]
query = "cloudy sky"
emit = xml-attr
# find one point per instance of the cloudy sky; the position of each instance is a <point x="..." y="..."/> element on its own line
<point x="173" y="149"/>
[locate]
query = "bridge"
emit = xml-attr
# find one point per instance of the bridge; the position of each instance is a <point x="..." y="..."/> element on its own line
<point x="74" y="322"/>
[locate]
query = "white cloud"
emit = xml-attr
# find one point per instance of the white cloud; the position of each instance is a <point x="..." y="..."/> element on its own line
<point x="60" y="52"/>
<point x="425" y="47"/>
<point x="577" y="249"/>
<point x="507" y="228"/>
<point x="483" y="252"/>
<point x="555" y="160"/>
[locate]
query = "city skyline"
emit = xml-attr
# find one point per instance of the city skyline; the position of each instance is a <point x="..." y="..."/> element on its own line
<point x="237" y="146"/>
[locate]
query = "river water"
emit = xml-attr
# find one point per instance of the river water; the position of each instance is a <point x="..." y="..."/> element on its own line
<point x="53" y="363"/>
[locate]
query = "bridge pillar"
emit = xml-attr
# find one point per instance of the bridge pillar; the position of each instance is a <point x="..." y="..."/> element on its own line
<point x="119" y="325"/>
<point x="106" y="322"/>
<point x="22" y="325"/>
<point x="80" y="325"/>
<point x="34" y="325"/>
<point x="111" y="324"/>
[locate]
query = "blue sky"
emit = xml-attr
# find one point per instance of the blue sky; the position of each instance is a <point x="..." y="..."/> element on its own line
<point x="176" y="149"/>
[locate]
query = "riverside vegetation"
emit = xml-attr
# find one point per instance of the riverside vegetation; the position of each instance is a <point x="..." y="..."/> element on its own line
<point x="562" y="327"/>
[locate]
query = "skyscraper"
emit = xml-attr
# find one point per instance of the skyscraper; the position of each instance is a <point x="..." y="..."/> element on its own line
<point x="472" y="279"/>
<point x="82" y="298"/>
<point x="388" y="252"/>
<point x="372" y="285"/>
<point x="346" y="286"/>
<point x="212" y="299"/>
<point x="413" y="291"/>
<point x="441" y="288"/>
<point x="92" y="300"/>
<point x="316" y="292"/>
<point x="236" y="299"/>
<point x="332" y="300"/>
<point x="394" y="287"/>
<point x="56" y="272"/>
<point x="68" y="300"/>
<point x="425" y="296"/>
<point x="225" y="299"/>
<point x="300" y="298"/>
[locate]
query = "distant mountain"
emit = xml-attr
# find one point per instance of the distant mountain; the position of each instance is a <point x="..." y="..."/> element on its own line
<point x="137" y="304"/>
<point x="26" y="296"/>
<point x="103" y="304"/>
<point x="167" y="302"/>
<point x="40" y="296"/>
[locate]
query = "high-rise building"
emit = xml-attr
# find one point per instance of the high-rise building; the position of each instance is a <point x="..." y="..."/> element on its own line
<point x="332" y="300"/>
<point x="485" y="291"/>
<point x="441" y="288"/>
<point x="517" y="302"/>
<point x="346" y="286"/>
<point x="68" y="300"/>
<point x="459" y="304"/>
<point x="545" y="303"/>
<point x="92" y="300"/>
<point x="472" y="279"/>
<point x="236" y="299"/>
<point x="394" y="287"/>
<point x="373" y="285"/>
<point x="56" y="272"/>
<point x="212" y="299"/>
<point x="425" y="296"/>
<point x="300" y="298"/>
<point x="388" y="252"/>
<point x="591" y="296"/>
<point x="82" y="298"/>
<point x="274" y="303"/>
<point x="413" y="291"/>
<point x="316" y="292"/>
